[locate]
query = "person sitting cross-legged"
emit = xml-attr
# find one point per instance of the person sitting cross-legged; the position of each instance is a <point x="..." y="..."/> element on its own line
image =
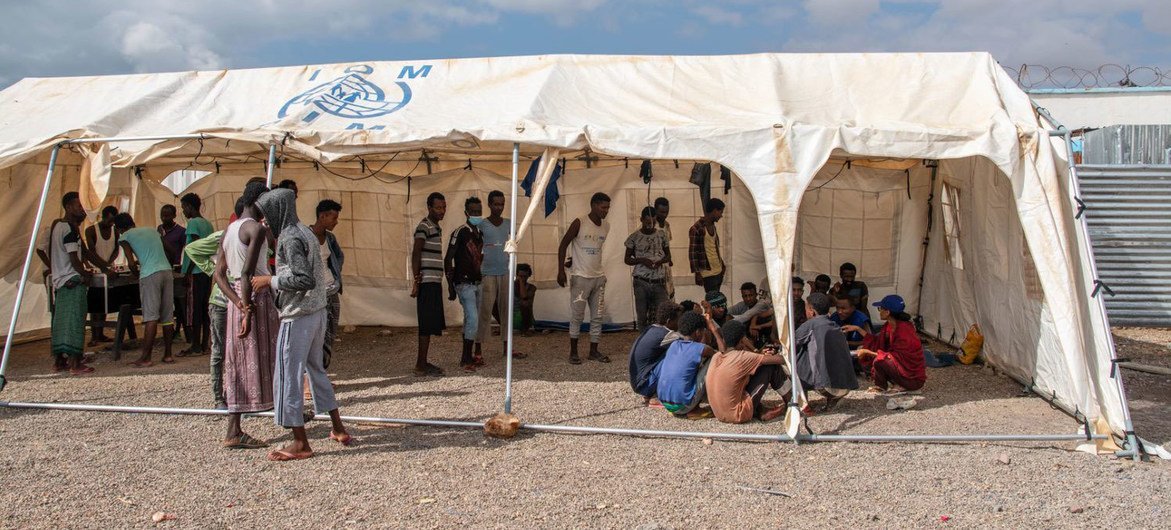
<point x="682" y="372"/>
<point x="737" y="379"/>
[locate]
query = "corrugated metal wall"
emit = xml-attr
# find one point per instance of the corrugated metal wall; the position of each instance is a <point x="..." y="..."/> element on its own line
<point x="1129" y="216"/>
<point x="1127" y="144"/>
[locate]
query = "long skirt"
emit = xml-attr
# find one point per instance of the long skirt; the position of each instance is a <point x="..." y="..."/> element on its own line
<point x="249" y="361"/>
<point x="68" y="333"/>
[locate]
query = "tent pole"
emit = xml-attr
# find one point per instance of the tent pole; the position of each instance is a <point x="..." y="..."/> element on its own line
<point x="794" y="382"/>
<point x="1133" y="446"/>
<point x="511" y="282"/>
<point x="115" y="139"/>
<point x="573" y="429"/>
<point x="28" y="262"/>
<point x="934" y="165"/>
<point x="270" y="166"/>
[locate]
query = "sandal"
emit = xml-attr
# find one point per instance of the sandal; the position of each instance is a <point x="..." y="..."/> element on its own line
<point x="81" y="370"/>
<point x="168" y="360"/>
<point x="245" y="442"/>
<point x="573" y="359"/>
<point x="142" y="364"/>
<point x="345" y="439"/>
<point x="281" y="455"/>
<point x="599" y="357"/>
<point x="469" y="367"/>
<point x="478" y="360"/>
<point x="519" y="355"/>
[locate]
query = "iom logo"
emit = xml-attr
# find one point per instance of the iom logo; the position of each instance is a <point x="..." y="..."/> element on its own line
<point x="354" y="96"/>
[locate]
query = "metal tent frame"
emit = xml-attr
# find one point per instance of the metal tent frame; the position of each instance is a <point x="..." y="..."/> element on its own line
<point x="1132" y="450"/>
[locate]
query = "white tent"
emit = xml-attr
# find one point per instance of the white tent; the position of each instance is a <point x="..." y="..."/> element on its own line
<point x="833" y="160"/>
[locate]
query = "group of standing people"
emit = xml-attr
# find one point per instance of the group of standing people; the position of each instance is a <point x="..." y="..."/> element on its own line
<point x="268" y="320"/>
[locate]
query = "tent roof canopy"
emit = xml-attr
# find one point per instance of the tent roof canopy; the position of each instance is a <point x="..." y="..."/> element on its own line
<point x="638" y="106"/>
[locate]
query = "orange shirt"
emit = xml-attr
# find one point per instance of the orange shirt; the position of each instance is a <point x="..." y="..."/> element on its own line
<point x="726" y="380"/>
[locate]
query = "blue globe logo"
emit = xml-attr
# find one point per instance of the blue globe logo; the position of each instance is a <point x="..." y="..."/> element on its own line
<point x="351" y="96"/>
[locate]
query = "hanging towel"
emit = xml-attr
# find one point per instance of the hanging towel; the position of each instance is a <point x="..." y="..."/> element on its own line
<point x="644" y="171"/>
<point x="701" y="175"/>
<point x="551" y="193"/>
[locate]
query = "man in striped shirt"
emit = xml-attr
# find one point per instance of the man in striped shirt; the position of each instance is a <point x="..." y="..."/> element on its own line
<point x="427" y="282"/>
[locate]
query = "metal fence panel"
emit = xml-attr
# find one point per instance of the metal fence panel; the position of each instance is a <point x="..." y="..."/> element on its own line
<point x="1127" y="144"/>
<point x="1129" y="216"/>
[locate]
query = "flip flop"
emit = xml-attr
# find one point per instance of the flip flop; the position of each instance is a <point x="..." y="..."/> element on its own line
<point x="81" y="371"/>
<point x="429" y="371"/>
<point x="519" y="355"/>
<point x="165" y="361"/>
<point x="280" y="455"/>
<point x="478" y="360"/>
<point x="600" y="358"/>
<point x="245" y="442"/>
<point x="344" y="439"/>
<point x="699" y="414"/>
<point x="142" y="364"/>
<point x="573" y="359"/>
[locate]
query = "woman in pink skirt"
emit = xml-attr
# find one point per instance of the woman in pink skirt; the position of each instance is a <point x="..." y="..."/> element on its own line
<point x="250" y="345"/>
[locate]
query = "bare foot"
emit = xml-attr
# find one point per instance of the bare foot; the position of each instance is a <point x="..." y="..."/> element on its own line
<point x="772" y="414"/>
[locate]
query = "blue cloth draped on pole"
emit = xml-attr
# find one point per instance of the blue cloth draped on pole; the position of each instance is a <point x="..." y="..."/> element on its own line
<point x="551" y="193"/>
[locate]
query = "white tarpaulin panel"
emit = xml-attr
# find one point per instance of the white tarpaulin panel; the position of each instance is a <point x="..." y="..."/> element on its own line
<point x="774" y="119"/>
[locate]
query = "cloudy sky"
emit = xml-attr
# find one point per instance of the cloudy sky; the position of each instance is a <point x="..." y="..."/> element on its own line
<point x="110" y="37"/>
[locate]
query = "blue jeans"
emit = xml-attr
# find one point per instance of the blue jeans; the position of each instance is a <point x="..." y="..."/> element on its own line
<point x="469" y="299"/>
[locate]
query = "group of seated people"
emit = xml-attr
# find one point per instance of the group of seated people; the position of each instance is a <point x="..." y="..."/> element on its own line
<point x="706" y="352"/>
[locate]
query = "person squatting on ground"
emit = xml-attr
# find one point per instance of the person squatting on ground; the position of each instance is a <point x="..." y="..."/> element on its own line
<point x="682" y="372"/>
<point x="649" y="348"/>
<point x="333" y="258"/>
<point x="703" y="247"/>
<point x="461" y="265"/>
<point x="895" y="353"/>
<point x="587" y="282"/>
<point x="250" y="319"/>
<point x="426" y="282"/>
<point x="300" y="284"/>
<point x="648" y="250"/>
<point x="737" y="379"/>
<point x="526" y="295"/>
<point x="823" y="356"/>
<point x="156" y="285"/>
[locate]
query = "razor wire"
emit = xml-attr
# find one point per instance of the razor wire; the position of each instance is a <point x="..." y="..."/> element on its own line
<point x="1030" y="76"/>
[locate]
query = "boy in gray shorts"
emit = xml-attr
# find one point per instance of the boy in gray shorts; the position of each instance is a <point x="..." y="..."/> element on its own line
<point x="156" y="284"/>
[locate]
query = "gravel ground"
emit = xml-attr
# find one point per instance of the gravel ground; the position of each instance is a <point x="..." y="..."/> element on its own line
<point x="74" y="469"/>
<point x="1150" y="394"/>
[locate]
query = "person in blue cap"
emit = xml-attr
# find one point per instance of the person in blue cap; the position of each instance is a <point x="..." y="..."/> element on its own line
<point x="894" y="354"/>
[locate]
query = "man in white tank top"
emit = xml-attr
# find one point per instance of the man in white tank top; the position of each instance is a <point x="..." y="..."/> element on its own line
<point x="587" y="283"/>
<point x="102" y="239"/>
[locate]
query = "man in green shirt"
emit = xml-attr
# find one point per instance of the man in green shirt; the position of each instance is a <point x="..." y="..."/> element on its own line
<point x="156" y="285"/>
<point x="198" y="282"/>
<point x="204" y="253"/>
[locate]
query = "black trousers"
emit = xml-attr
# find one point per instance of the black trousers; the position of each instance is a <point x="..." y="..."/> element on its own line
<point x="766" y="376"/>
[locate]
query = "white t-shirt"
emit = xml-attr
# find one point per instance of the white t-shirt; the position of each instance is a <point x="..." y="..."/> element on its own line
<point x="329" y="282"/>
<point x="587" y="248"/>
<point x="63" y="241"/>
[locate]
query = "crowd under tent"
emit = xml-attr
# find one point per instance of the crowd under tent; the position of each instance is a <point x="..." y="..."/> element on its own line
<point x="934" y="173"/>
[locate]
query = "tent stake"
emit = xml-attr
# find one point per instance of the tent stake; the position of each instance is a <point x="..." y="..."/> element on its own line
<point x="28" y="263"/>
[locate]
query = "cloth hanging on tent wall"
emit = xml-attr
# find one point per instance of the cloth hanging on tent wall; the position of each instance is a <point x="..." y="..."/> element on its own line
<point x="551" y="193"/>
<point x="644" y="172"/>
<point x="701" y="175"/>
<point x="726" y="176"/>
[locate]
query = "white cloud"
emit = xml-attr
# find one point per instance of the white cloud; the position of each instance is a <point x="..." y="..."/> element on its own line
<point x="718" y="16"/>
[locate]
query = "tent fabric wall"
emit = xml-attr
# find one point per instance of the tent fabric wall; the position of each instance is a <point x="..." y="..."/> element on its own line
<point x="774" y="119"/>
<point x="378" y="222"/>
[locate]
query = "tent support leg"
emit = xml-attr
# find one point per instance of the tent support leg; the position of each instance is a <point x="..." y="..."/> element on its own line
<point x="574" y="429"/>
<point x="511" y="282"/>
<point x="794" y="382"/>
<point x="28" y="262"/>
<point x="1133" y="446"/>
<point x="934" y="165"/>
<point x="270" y="166"/>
